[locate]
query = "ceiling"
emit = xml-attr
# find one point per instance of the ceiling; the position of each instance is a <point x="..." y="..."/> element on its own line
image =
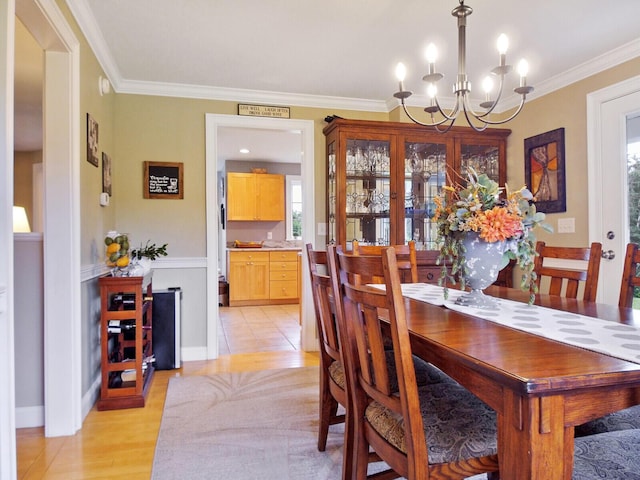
<point x="341" y="55"/>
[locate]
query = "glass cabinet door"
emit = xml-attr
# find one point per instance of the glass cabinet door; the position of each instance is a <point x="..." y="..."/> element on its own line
<point x="367" y="191"/>
<point x="331" y="192"/>
<point x="482" y="158"/>
<point x="425" y="168"/>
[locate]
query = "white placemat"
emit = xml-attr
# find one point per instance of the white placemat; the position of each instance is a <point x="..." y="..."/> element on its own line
<point x="603" y="336"/>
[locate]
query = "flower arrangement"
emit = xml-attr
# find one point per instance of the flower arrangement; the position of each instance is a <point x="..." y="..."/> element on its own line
<point x="481" y="207"/>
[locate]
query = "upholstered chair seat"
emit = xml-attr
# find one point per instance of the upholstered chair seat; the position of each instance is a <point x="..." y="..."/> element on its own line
<point x="609" y="455"/>
<point x="457" y="425"/>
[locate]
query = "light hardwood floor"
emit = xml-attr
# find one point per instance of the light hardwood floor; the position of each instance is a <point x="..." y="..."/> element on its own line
<point x="121" y="443"/>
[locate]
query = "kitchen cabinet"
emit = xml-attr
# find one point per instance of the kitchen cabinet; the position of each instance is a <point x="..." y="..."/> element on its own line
<point x="255" y="197"/>
<point x="248" y="278"/>
<point x="382" y="178"/>
<point x="263" y="277"/>
<point x="283" y="275"/>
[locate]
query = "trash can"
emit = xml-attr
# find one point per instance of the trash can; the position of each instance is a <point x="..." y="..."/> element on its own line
<point x="223" y="293"/>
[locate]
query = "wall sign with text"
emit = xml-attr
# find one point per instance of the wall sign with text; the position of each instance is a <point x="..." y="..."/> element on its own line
<point x="163" y="180"/>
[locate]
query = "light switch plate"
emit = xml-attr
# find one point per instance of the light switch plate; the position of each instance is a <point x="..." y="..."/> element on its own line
<point x="322" y="229"/>
<point x="566" y="225"/>
<point x="104" y="199"/>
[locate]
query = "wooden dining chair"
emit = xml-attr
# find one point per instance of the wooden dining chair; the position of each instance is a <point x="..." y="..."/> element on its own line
<point x="630" y="276"/>
<point x="566" y="281"/>
<point x="332" y="381"/>
<point x="439" y="430"/>
<point x="406" y="255"/>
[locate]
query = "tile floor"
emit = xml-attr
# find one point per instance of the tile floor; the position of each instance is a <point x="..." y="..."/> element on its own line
<point x="263" y="328"/>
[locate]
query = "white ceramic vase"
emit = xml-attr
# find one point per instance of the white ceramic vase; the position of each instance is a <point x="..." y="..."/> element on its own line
<point x="483" y="262"/>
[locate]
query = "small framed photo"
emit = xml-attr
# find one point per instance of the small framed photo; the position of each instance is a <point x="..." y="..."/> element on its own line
<point x="92" y="141"/>
<point x="544" y="168"/>
<point x="106" y="173"/>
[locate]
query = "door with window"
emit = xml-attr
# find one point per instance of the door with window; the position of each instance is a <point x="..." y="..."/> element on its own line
<point x="615" y="168"/>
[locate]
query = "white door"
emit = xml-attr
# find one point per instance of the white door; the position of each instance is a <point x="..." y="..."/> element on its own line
<point x="610" y="111"/>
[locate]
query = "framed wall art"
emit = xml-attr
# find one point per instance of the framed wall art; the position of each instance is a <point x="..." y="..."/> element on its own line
<point x="163" y="180"/>
<point x="92" y="141"/>
<point x="106" y="173"/>
<point x="544" y="168"/>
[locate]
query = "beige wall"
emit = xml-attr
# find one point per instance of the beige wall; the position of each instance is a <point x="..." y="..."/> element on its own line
<point x="564" y="108"/>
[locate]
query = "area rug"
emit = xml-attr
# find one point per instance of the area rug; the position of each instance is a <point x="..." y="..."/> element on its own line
<point x="245" y="426"/>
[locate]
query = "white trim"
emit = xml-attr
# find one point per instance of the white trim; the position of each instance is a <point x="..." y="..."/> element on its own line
<point x="62" y="333"/>
<point x="92" y="32"/>
<point x="193" y="354"/>
<point x="96" y="270"/>
<point x="596" y="157"/>
<point x="8" y="463"/>
<point x="306" y="127"/>
<point x="29" y="417"/>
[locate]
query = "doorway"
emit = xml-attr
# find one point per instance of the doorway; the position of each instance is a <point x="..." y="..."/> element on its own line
<point x="215" y="124"/>
<point x="608" y="113"/>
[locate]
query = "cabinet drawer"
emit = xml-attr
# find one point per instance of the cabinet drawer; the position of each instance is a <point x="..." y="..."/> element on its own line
<point x="283" y="289"/>
<point x="429" y="274"/>
<point x="248" y="256"/>
<point x="283" y="266"/>
<point x="286" y="256"/>
<point x="283" y="275"/>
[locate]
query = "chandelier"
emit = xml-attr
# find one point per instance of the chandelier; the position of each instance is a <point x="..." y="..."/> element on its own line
<point x="462" y="87"/>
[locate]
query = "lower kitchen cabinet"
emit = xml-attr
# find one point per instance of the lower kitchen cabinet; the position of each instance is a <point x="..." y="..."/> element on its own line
<point x="283" y="276"/>
<point x="263" y="277"/>
<point x="248" y="278"/>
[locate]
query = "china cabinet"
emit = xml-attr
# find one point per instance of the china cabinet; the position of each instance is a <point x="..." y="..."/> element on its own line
<point x="126" y="341"/>
<point x="382" y="178"/>
<point x="255" y="197"/>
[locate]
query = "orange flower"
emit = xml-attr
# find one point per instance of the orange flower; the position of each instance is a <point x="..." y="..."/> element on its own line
<point x="499" y="224"/>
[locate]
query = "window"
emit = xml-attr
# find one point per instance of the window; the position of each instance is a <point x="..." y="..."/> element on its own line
<point x="294" y="207"/>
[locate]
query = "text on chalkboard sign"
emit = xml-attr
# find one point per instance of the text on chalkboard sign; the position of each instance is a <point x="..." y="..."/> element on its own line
<point x="163" y="180"/>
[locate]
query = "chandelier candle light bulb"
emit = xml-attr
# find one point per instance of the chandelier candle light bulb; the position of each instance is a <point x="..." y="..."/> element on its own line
<point x="462" y="86"/>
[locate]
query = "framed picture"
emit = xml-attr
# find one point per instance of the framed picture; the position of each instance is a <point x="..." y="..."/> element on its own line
<point x="92" y="141"/>
<point x="106" y="173"/>
<point x="545" y="171"/>
<point x="163" y="180"/>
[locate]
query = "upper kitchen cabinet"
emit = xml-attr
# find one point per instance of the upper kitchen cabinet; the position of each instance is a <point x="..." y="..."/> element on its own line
<point x="383" y="177"/>
<point x="255" y="197"/>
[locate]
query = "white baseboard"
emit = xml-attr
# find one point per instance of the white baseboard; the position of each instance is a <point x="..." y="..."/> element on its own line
<point x="29" y="417"/>
<point x="192" y="354"/>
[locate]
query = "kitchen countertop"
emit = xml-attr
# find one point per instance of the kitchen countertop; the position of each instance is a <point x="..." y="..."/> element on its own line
<point x="265" y="249"/>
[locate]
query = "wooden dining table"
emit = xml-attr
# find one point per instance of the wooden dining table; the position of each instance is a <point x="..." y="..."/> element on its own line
<point x="540" y="388"/>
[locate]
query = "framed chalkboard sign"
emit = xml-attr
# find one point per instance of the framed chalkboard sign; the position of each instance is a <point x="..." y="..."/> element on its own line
<point x="163" y="180"/>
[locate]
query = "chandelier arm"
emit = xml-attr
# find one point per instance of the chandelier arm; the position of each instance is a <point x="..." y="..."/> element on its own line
<point x="453" y="113"/>
<point x="522" y="100"/>
<point x="495" y="103"/>
<point x="475" y="117"/>
<point x="415" y="120"/>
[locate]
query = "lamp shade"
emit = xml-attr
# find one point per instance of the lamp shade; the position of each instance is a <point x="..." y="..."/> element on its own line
<point x="20" y="220"/>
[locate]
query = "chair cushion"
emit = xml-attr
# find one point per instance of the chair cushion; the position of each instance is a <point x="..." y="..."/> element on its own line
<point x="622" y="420"/>
<point x="609" y="455"/>
<point x="336" y="372"/>
<point x="457" y="424"/>
<point x="426" y="373"/>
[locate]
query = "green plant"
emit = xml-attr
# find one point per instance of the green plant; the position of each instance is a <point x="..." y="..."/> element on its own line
<point x="496" y="214"/>
<point x="149" y="251"/>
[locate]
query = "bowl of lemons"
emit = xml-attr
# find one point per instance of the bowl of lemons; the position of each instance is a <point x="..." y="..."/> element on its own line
<point x="117" y="253"/>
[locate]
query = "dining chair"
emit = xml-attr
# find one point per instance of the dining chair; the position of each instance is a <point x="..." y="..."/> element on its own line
<point x="406" y="255"/>
<point x="439" y="430"/>
<point x="566" y="281"/>
<point x="332" y="381"/>
<point x="607" y="455"/>
<point x="630" y="276"/>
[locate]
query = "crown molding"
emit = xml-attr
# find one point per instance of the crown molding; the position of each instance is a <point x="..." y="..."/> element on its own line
<point x="92" y="33"/>
<point x="243" y="95"/>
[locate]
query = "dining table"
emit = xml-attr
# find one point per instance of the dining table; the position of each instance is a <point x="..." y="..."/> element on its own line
<point x="540" y="387"/>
